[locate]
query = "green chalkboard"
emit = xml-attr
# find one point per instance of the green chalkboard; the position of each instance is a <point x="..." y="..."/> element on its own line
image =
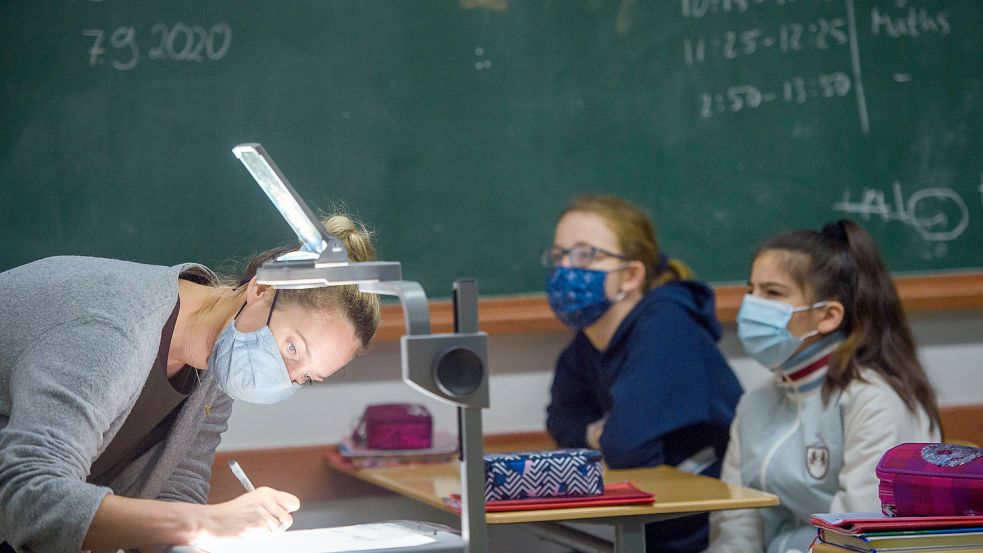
<point x="458" y="129"/>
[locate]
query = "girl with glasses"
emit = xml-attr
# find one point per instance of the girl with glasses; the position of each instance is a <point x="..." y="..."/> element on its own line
<point x="822" y="313"/>
<point x="642" y="380"/>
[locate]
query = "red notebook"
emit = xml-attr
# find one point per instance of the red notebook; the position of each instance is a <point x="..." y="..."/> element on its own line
<point x="858" y="523"/>
<point x="619" y="493"/>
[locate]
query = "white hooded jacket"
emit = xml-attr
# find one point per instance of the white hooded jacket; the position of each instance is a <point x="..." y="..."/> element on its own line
<point x="816" y="458"/>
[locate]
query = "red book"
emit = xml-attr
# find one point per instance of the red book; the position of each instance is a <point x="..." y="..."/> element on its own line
<point x="858" y="523"/>
<point x="619" y="493"/>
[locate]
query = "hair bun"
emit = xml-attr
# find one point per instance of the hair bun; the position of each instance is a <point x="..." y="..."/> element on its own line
<point x="836" y="232"/>
<point x="356" y="237"/>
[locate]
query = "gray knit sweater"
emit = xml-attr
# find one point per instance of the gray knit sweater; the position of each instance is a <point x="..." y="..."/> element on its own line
<point x="78" y="337"/>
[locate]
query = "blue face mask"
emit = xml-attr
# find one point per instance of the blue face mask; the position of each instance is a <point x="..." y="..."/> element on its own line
<point x="762" y="326"/>
<point x="576" y="295"/>
<point x="248" y="365"/>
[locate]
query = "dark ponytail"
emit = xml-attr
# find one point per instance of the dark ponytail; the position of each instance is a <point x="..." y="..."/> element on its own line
<point x="841" y="262"/>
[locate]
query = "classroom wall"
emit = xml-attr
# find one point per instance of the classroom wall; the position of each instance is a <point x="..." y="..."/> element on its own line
<point x="951" y="345"/>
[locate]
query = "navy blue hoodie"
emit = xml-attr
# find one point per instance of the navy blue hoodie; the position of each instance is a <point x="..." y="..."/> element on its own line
<point x="663" y="384"/>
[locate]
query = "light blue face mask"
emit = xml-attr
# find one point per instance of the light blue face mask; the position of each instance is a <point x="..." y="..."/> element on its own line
<point x="762" y="326"/>
<point x="248" y="365"/>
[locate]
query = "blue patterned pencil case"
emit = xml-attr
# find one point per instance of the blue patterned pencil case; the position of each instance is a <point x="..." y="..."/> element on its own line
<point x="533" y="474"/>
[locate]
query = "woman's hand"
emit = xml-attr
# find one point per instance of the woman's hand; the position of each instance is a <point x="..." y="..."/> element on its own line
<point x="260" y="512"/>
<point x="127" y="523"/>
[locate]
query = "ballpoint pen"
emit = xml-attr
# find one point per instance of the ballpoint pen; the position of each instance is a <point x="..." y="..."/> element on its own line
<point x="241" y="475"/>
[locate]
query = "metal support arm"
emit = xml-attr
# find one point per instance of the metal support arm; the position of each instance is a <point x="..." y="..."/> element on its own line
<point x="452" y="368"/>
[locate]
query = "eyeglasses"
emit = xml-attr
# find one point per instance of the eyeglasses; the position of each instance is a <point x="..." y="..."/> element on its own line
<point x="581" y="256"/>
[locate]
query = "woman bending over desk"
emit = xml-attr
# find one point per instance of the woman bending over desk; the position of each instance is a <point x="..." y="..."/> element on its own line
<point x="117" y="380"/>
<point x="822" y="313"/>
<point x="642" y="380"/>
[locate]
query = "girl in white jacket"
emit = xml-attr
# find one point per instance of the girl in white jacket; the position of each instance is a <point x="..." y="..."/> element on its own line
<point x="822" y="312"/>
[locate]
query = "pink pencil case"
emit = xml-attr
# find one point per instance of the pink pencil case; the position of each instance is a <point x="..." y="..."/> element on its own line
<point x="394" y="426"/>
<point x="931" y="480"/>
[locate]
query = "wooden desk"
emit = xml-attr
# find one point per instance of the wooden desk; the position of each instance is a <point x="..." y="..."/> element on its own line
<point x="677" y="494"/>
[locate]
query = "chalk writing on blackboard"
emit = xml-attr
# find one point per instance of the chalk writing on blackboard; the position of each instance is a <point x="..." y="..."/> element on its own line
<point x="914" y="23"/>
<point x="481" y="63"/>
<point x="700" y="8"/>
<point x="820" y="33"/>
<point x="178" y="42"/>
<point x="902" y="19"/>
<point x="795" y="90"/>
<point x="938" y="214"/>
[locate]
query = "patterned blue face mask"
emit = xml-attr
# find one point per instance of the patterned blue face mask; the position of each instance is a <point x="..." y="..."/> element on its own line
<point x="576" y="295"/>
<point x="248" y="365"/>
<point x="762" y="326"/>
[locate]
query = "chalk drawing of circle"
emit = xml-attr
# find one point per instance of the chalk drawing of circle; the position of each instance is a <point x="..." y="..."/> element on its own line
<point x="920" y="222"/>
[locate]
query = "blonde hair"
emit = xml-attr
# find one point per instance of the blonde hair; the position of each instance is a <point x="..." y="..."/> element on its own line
<point x="361" y="309"/>
<point x="636" y="237"/>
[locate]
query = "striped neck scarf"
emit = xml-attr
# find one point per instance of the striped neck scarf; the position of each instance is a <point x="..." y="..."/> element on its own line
<point x="805" y="371"/>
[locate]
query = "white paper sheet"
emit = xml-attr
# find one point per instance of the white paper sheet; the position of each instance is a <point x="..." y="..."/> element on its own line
<point x="361" y="537"/>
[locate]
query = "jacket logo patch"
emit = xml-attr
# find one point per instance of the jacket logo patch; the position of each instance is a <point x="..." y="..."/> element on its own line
<point x="817" y="461"/>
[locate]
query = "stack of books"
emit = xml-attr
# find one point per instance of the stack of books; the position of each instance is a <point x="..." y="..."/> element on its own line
<point x="872" y="532"/>
<point x="351" y="454"/>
